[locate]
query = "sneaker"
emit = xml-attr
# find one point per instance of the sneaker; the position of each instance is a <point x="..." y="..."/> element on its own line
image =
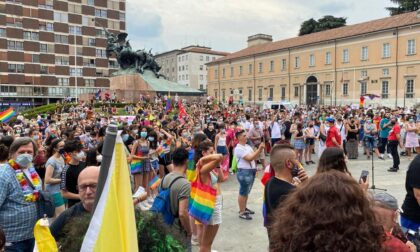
<point x="194" y="241"/>
<point x="389" y="155"/>
<point x="245" y="216"/>
<point x="392" y="169"/>
<point x="248" y="211"/>
<point x="381" y="157"/>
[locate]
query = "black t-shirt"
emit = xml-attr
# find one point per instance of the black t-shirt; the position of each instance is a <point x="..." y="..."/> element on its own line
<point x="210" y="134"/>
<point x="287" y="133"/>
<point x="275" y="192"/>
<point x="59" y="223"/>
<point x="410" y="207"/>
<point x="69" y="180"/>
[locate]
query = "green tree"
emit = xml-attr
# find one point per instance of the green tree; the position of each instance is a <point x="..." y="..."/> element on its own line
<point x="403" y="6"/>
<point x="324" y="23"/>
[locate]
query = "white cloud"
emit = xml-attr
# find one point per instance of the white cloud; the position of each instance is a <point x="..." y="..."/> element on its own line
<point x="225" y="24"/>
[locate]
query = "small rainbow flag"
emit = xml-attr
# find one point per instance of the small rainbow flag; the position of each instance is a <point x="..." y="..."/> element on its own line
<point x="136" y="164"/>
<point x="160" y="151"/>
<point x="154" y="182"/>
<point x="6" y="115"/>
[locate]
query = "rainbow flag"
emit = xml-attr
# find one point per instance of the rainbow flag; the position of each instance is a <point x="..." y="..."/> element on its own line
<point x="6" y="115"/>
<point x="202" y="201"/>
<point x="191" y="173"/>
<point x="160" y="151"/>
<point x="154" y="182"/>
<point x="136" y="164"/>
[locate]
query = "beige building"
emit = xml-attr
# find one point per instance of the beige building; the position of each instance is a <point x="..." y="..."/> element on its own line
<point x="169" y="63"/>
<point x="331" y="67"/>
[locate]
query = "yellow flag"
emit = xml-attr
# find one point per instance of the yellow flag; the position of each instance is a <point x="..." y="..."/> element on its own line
<point x="44" y="241"/>
<point x="113" y="224"/>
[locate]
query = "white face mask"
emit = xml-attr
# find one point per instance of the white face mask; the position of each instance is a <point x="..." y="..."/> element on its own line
<point x="99" y="158"/>
<point x="80" y="155"/>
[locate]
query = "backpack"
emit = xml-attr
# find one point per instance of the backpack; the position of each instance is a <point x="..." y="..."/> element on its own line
<point x="162" y="203"/>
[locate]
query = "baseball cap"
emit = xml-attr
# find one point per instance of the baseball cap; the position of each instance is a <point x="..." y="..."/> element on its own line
<point x="330" y="119"/>
<point x="386" y="200"/>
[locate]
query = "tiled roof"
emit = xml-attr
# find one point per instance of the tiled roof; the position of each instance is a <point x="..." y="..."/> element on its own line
<point x="337" y="33"/>
<point x="203" y="50"/>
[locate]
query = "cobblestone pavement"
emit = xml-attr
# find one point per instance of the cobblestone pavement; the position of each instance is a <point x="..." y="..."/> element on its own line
<point x="248" y="236"/>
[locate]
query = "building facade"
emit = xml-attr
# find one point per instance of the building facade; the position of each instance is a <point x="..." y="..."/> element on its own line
<point x="190" y="65"/>
<point x="333" y="67"/>
<point x="52" y="49"/>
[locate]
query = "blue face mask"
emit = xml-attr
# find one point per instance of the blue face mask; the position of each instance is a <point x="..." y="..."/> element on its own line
<point x="125" y="137"/>
<point x="151" y="139"/>
<point x="23" y="160"/>
<point x="143" y="134"/>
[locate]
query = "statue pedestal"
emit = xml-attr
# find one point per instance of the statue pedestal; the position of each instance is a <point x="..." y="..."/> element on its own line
<point x="129" y="87"/>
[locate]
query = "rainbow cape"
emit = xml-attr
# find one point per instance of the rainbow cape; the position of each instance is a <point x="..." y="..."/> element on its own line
<point x="154" y="182"/>
<point x="6" y="115"/>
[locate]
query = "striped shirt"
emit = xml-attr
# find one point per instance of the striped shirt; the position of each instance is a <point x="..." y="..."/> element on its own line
<point x="17" y="217"/>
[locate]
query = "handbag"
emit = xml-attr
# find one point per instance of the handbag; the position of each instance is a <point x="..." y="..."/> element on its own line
<point x="45" y="202"/>
<point x="322" y="137"/>
<point x="202" y="200"/>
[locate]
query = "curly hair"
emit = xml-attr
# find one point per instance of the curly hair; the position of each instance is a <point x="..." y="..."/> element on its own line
<point x="332" y="159"/>
<point x="203" y="146"/>
<point x="328" y="213"/>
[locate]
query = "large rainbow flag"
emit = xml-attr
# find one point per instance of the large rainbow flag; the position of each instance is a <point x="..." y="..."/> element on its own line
<point x="6" y="115"/>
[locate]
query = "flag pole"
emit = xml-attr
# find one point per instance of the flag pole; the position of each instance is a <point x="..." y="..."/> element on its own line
<point x="107" y="152"/>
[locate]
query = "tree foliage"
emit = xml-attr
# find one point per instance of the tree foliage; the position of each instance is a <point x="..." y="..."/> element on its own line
<point x="403" y="6"/>
<point x="324" y="23"/>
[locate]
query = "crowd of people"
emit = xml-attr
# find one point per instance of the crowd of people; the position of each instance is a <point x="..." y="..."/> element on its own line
<point x="330" y="211"/>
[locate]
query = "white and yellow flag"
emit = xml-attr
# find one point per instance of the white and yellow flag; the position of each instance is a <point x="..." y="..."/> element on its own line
<point x="113" y="225"/>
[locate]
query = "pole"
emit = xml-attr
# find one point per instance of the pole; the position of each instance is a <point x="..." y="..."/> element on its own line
<point x="107" y="151"/>
<point x="75" y="66"/>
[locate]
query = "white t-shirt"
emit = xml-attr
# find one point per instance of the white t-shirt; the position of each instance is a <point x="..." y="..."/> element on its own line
<point x="275" y="130"/>
<point x="240" y="152"/>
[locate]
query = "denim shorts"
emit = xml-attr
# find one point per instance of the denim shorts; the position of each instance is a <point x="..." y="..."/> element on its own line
<point x="246" y="179"/>
<point x="221" y="150"/>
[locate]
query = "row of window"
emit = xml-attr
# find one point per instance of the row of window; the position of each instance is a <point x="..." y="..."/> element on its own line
<point x="201" y="57"/>
<point x="409" y="91"/>
<point x="411" y="50"/>
<point x="45" y="91"/>
<point x="182" y="68"/>
<point x="20" y="68"/>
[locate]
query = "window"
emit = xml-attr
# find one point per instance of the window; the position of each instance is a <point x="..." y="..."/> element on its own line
<point x="272" y="66"/>
<point x="250" y="69"/>
<point x="179" y="68"/>
<point x="75" y="8"/>
<point x="201" y="77"/>
<point x="15" y="22"/>
<point x="2" y="32"/>
<point x="201" y="67"/>
<point x="384" y="94"/>
<point x="11" y="68"/>
<point x="283" y="64"/>
<point x="76" y="71"/>
<point x="15" y="45"/>
<point x="223" y="73"/>
<point x="100" y="13"/>
<point x="283" y="93"/>
<point x="297" y="62"/>
<point x="183" y="68"/>
<point x="43" y="48"/>
<point x="122" y="16"/>
<point x="89" y="82"/>
<point x="91" y="42"/>
<point x="363" y="73"/>
<point x="311" y="60"/>
<point x="30" y="35"/>
<point x="186" y="77"/>
<point x="328" y="58"/>
<point x="409" y="89"/>
<point x="113" y="64"/>
<point x="45" y="26"/>
<point x="44" y="70"/>
<point x="35" y="58"/>
<point x="48" y="5"/>
<point x="296" y="91"/>
<point x="385" y="50"/>
<point x="216" y="74"/>
<point x="231" y="71"/>
<point x="100" y="33"/>
<point x="411" y="46"/>
<point x="328" y="90"/>
<point x="100" y="53"/>
<point x="385" y="72"/>
<point x="260" y="67"/>
<point x="240" y="70"/>
<point x="201" y="57"/>
<point x="91" y="62"/>
<point x="213" y="58"/>
<point x="345" y="55"/>
<point x="63" y="81"/>
<point x="75" y="30"/>
<point x="207" y="58"/>
<point x="365" y="53"/>
<point x="345" y="89"/>
<point x="201" y="87"/>
<point x="271" y="93"/>
<point x="61" y="17"/>
<point x="363" y="87"/>
<point x="260" y="94"/>
<point x="249" y="94"/>
<point x="63" y="39"/>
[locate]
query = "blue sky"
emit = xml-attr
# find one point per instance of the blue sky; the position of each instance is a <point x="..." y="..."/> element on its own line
<point x="225" y="25"/>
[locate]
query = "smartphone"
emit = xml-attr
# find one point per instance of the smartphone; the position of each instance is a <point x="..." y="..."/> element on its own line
<point x="364" y="175"/>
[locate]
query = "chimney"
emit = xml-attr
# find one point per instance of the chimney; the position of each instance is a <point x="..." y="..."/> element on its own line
<point x="259" y="39"/>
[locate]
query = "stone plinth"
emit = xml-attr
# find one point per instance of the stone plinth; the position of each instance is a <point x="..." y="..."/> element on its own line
<point x="129" y="87"/>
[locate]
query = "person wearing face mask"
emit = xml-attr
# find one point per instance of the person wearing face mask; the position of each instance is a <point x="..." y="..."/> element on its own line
<point x="141" y="172"/>
<point x="411" y="140"/>
<point x="70" y="174"/>
<point x="18" y="200"/>
<point x="210" y="132"/>
<point x="394" y="138"/>
<point x="352" y="143"/>
<point x="385" y="127"/>
<point x="370" y="138"/>
<point x="309" y="143"/>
